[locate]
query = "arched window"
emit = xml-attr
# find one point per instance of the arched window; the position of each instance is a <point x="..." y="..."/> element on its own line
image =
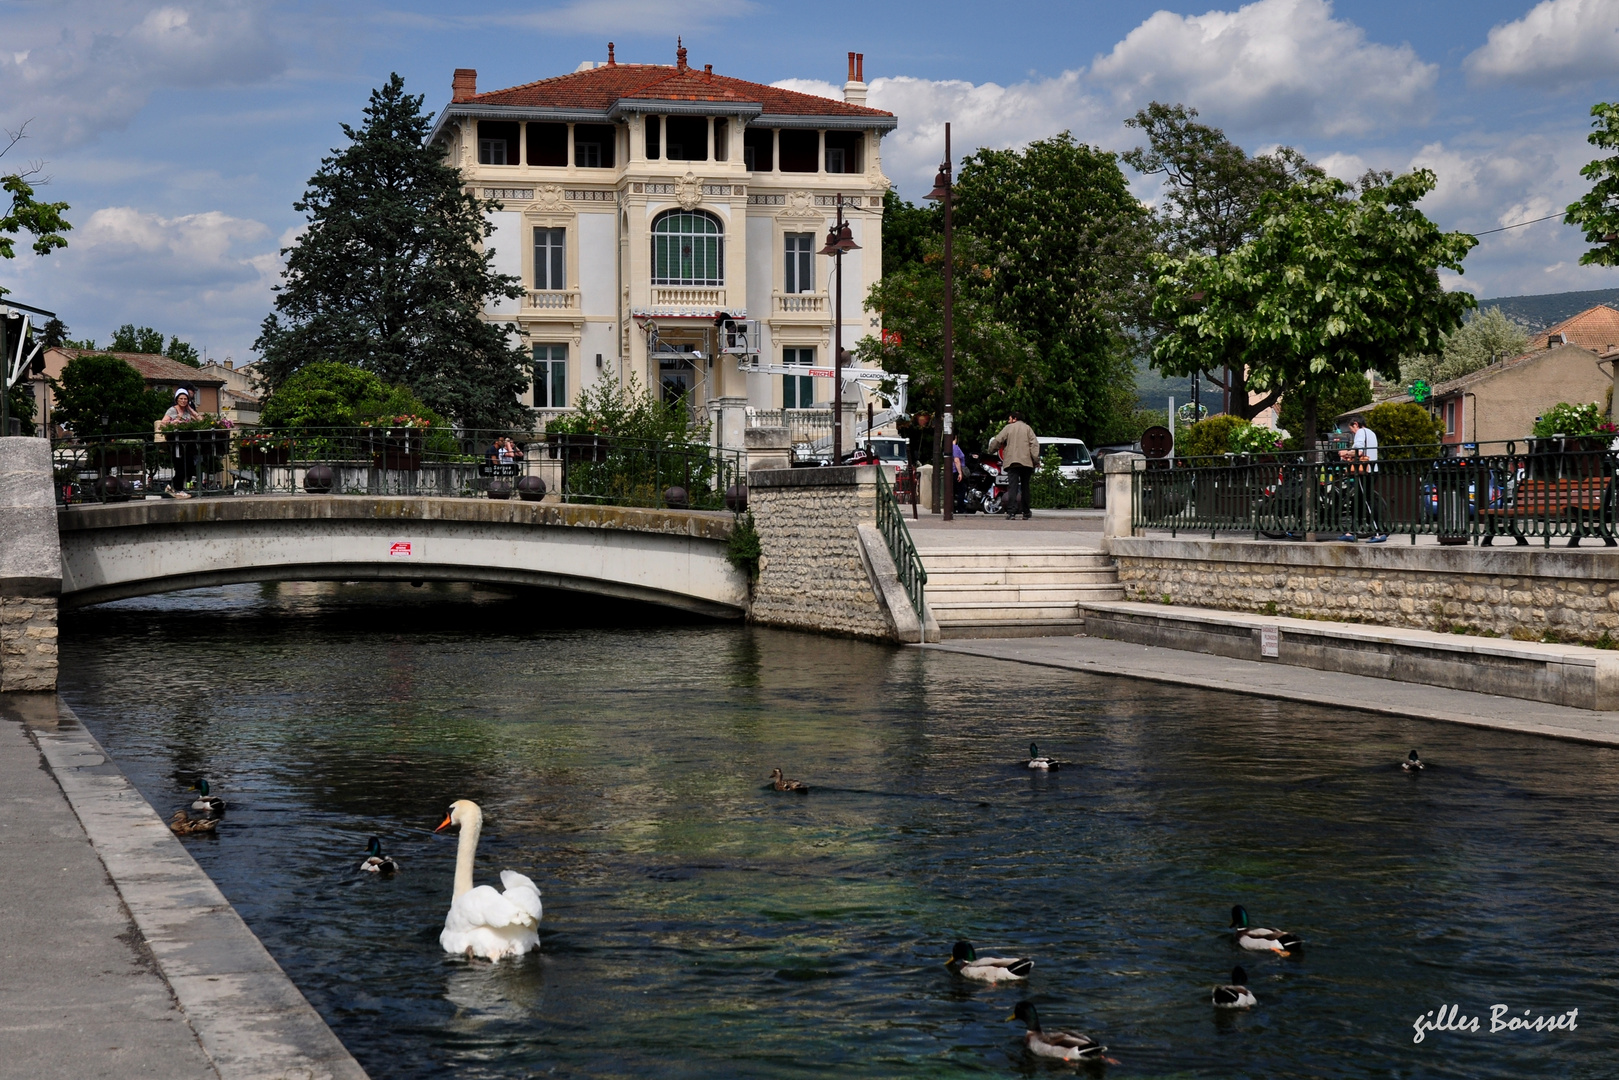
<point x="688" y="248"/>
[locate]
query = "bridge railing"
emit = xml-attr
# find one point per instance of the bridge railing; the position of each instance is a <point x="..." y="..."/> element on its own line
<point x="394" y="461"/>
<point x="1559" y="487"/>
<point x="913" y="576"/>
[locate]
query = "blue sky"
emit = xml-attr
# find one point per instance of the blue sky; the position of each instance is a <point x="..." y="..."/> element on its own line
<point x="181" y="132"/>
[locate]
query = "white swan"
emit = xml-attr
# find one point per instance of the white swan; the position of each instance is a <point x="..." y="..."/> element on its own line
<point x="483" y="922"/>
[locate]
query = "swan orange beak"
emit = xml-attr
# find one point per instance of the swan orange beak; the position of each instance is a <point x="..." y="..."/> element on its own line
<point x="446" y="823"/>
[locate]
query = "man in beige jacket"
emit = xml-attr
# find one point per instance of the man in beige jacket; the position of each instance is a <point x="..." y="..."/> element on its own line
<point x="1020" y="452"/>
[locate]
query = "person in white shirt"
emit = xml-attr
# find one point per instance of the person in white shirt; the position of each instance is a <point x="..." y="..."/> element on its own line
<point x="1364" y="448"/>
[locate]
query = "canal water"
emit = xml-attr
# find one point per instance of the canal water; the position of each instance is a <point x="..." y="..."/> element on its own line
<point x="698" y="924"/>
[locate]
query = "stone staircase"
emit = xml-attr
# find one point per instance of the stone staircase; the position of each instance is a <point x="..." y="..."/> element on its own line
<point x="1025" y="590"/>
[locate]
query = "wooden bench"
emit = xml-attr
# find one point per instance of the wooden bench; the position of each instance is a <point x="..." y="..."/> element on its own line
<point x="1588" y="501"/>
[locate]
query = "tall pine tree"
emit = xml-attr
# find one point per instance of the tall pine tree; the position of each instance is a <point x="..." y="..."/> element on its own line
<point x="390" y="275"/>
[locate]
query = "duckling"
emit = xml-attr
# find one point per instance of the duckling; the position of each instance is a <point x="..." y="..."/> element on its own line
<point x="1412" y="763"/>
<point x="211" y="803"/>
<point x="964" y="961"/>
<point x="376" y="862"/>
<point x="781" y="783"/>
<point x="1064" y="1045"/>
<point x="1262" y="938"/>
<point x="1236" y="995"/>
<point x="182" y="825"/>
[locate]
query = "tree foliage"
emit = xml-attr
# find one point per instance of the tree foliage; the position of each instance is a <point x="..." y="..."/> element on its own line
<point x="626" y="410"/>
<point x="909" y="232"/>
<point x="1404" y="430"/>
<point x="1211" y="197"/>
<point x="1334" y="282"/>
<point x="1486" y="337"/>
<point x="102" y="395"/>
<point x="1350" y="390"/>
<point x="143" y="339"/>
<point x="1049" y="245"/>
<point x="328" y="394"/>
<point x="26" y="214"/>
<point x="1208" y="437"/>
<point x="390" y="276"/>
<point x="1597" y="212"/>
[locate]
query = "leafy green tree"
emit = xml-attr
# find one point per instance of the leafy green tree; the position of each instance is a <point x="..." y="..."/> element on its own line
<point x="1334" y="282"/>
<point x="1597" y="212"/>
<point x="1350" y="390"/>
<point x="1486" y="336"/>
<point x="143" y="339"/>
<point x="1404" y="430"/>
<point x="1210" y="437"/>
<point x="327" y="394"/>
<point x="626" y="410"/>
<point x="41" y="220"/>
<point x="909" y="232"/>
<point x="54" y="335"/>
<point x="390" y="276"/>
<point x="101" y="395"/>
<point x="1212" y="192"/>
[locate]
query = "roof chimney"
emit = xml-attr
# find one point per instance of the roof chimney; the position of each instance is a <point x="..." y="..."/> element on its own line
<point x="708" y="72"/>
<point x="610" y="61"/>
<point x="854" y="91"/>
<point x="1554" y="340"/>
<point x="680" y="56"/>
<point x="464" y="85"/>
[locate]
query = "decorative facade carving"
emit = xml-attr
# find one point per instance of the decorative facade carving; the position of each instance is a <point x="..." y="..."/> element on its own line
<point x="688" y="192"/>
<point x="550" y="197"/>
<point x="800" y="206"/>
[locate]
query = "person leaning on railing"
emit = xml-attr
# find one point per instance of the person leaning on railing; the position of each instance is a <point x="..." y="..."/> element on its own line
<point x="180" y="412"/>
<point x="1363" y="449"/>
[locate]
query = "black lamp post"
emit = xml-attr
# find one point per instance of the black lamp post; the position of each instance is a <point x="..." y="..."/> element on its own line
<point x="839" y="238"/>
<point x="941" y="192"/>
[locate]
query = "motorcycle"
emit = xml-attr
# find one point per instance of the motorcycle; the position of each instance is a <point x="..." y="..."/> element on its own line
<point x="982" y="486"/>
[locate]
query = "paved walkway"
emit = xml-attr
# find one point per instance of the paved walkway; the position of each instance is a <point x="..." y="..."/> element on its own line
<point x="1082" y="525"/>
<point x="118" y="955"/>
<point x="1100" y="656"/>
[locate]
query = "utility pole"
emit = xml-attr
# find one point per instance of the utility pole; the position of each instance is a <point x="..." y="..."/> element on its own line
<point x="942" y="190"/>
<point x="838" y="240"/>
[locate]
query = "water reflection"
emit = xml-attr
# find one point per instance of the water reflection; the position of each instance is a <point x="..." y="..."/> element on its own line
<point x="699" y="924"/>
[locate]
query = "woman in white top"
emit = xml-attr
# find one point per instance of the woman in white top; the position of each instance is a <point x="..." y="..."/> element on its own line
<point x="179" y="413"/>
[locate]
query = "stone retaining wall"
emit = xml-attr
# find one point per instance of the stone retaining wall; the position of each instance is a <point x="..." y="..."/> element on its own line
<point x="27" y="643"/>
<point x="30" y="566"/>
<point x="1525" y="593"/>
<point x="811" y="575"/>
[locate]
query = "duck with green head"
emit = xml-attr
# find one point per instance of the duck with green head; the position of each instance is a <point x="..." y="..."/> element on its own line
<point x="966" y="962"/>
<point x="1063" y="1045"/>
<point x="1235" y="994"/>
<point x="1262" y="938"/>
<point x="376" y="862"/>
<point x="205" y="801"/>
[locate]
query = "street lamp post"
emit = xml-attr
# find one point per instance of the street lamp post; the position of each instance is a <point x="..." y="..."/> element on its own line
<point x="839" y="238"/>
<point x="942" y="192"/>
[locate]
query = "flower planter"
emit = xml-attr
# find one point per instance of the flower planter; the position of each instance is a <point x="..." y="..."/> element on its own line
<point x="397" y="449"/>
<point x="264" y="456"/>
<point x="121" y="457"/>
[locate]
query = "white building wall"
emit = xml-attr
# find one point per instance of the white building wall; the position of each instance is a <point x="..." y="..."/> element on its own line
<point x="506" y="245"/>
<point x="760" y="282"/>
<point x="598" y="270"/>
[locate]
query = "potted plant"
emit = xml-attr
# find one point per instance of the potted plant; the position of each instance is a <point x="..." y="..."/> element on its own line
<point x="118" y="454"/>
<point x="206" y="440"/>
<point x="1574" y="434"/>
<point x="264" y="448"/>
<point x="396" y="442"/>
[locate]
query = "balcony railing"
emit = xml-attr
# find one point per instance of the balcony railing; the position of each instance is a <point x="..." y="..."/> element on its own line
<point x="803" y="425"/>
<point x="562" y="300"/>
<point x="800" y="304"/>
<point x="688" y="296"/>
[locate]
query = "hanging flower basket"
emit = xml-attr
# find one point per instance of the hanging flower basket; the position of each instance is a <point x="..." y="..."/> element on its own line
<point x="399" y="449"/>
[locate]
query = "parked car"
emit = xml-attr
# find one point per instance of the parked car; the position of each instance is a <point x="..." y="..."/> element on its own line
<point x="1073" y="458"/>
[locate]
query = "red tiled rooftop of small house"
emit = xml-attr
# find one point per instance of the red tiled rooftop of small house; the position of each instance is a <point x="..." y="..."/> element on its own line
<point x="154" y="367"/>
<point x="604" y="86"/>
<point x="1595" y="328"/>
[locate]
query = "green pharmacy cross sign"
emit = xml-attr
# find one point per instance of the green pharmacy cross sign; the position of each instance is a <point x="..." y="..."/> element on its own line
<point x="1420" y="391"/>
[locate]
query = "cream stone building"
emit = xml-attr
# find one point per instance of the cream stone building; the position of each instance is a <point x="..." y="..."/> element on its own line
<point x="642" y="203"/>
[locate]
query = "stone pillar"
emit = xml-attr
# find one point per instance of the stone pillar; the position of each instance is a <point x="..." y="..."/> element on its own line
<point x="30" y="565"/>
<point x="1118" y="515"/>
<point x="924" y="487"/>
<point x="768" y="448"/>
<point x="730" y="416"/>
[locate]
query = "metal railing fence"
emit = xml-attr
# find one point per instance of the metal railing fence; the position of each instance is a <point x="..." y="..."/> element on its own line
<point x="393" y="461"/>
<point x="1562" y="487"/>
<point x="913" y="576"/>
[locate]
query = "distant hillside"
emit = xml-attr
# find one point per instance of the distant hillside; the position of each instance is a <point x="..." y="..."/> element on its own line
<point x="1547" y="309"/>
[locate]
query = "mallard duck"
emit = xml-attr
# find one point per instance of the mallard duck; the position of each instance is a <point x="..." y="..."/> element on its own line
<point x="376" y="862"/>
<point x="964" y="961"/>
<point x="1236" y="994"/>
<point x="1412" y="763"/>
<point x="1039" y="761"/>
<point x="481" y="921"/>
<point x="182" y="825"/>
<point x="1055" y="1044"/>
<point x="781" y="783"/>
<point x="211" y="803"/>
<point x="1262" y="938"/>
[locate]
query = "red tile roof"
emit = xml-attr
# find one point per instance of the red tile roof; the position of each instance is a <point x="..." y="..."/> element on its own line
<point x="603" y="87"/>
<point x="1595" y="328"/>
<point x="154" y="367"/>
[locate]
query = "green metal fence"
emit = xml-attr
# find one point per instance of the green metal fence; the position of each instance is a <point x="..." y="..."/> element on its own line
<point x="891" y="523"/>
<point x="1560" y="487"/>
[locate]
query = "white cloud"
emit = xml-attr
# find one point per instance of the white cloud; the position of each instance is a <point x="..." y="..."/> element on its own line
<point x="92" y="65"/>
<point x="1559" y="43"/>
<point x="1281" y="65"/>
<point x="980" y="115"/>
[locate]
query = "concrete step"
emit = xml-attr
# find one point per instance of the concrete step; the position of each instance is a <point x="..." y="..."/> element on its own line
<point x="992" y="628"/>
<point x="976" y="559"/>
<point x="1100" y="592"/>
<point x="1005" y="611"/>
<point x="1021" y="575"/>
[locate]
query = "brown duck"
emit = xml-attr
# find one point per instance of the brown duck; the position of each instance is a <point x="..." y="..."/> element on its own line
<point x="781" y="783"/>
<point x="182" y="825"/>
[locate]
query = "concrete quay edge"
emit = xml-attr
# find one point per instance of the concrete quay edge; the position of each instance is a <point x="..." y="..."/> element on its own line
<point x="1584" y="563"/>
<point x="252" y="1022"/>
<point x="1324" y="689"/>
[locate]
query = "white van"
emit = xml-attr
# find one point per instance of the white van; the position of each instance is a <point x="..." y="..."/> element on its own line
<point x="1073" y="458"/>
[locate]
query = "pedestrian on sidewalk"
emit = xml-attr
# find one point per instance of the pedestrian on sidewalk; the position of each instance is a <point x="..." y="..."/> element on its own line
<point x="1020" y="453"/>
<point x="1363" y="451"/>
